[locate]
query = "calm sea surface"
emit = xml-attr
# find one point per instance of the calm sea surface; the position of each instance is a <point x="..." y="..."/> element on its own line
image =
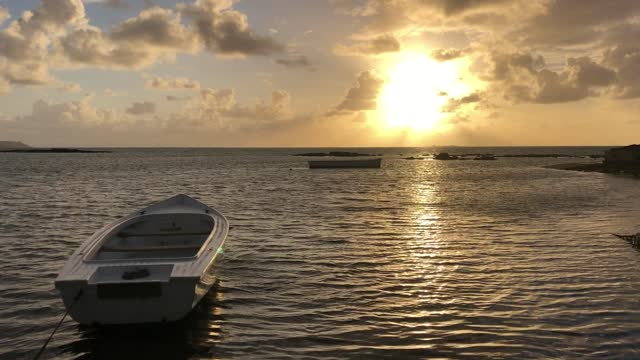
<point x="419" y="259"/>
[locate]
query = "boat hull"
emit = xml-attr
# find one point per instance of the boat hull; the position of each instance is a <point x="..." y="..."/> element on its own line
<point x="139" y="302"/>
<point x="345" y="164"/>
<point x="108" y="304"/>
<point x="99" y="290"/>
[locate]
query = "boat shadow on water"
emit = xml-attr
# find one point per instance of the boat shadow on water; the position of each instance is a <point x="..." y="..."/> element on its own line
<point x="195" y="335"/>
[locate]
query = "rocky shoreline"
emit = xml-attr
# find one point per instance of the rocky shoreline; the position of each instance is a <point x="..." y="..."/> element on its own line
<point x="620" y="161"/>
<point x="598" y="167"/>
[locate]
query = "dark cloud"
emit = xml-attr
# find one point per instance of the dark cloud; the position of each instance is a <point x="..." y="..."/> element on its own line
<point x="52" y="15"/>
<point x="383" y="44"/>
<point x="454" y="104"/>
<point x="625" y="59"/>
<point x="116" y="4"/>
<point x="379" y="45"/>
<point x="381" y="16"/>
<point x="177" y="98"/>
<point x="448" y="54"/>
<point x="363" y="96"/>
<point x="141" y="108"/>
<point x="15" y="46"/>
<point x="136" y="42"/>
<point x="455" y="7"/>
<point x="523" y="77"/>
<point x="154" y="26"/>
<point x="226" y="32"/>
<point x="180" y="83"/>
<point x="295" y="62"/>
<point x="89" y="46"/>
<point x="574" y="22"/>
<point x="554" y="88"/>
<point x="584" y="72"/>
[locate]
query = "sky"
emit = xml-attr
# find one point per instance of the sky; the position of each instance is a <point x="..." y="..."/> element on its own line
<point x="319" y="73"/>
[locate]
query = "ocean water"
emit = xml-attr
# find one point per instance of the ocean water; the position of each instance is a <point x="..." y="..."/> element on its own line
<point x="419" y="259"/>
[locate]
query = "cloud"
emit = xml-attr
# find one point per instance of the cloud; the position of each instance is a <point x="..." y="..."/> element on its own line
<point x="625" y="59"/>
<point x="379" y="45"/>
<point x="454" y="104"/>
<point x="90" y="47"/>
<point x="71" y="87"/>
<point x="179" y="83"/>
<point x="117" y="4"/>
<point x="276" y="110"/>
<point x="154" y="34"/>
<point x="524" y="77"/>
<point x="24" y="73"/>
<point x="24" y="43"/>
<point x="177" y="98"/>
<point x="57" y="34"/>
<point x="573" y="22"/>
<point x="52" y="15"/>
<point x="141" y="108"/>
<point x="47" y="115"/>
<point x="585" y="72"/>
<point x="363" y="96"/>
<point x="455" y="7"/>
<point x="219" y="108"/>
<point x="156" y="27"/>
<point x="398" y="16"/>
<point x="110" y="92"/>
<point x="225" y="31"/>
<point x="295" y="62"/>
<point x="211" y="115"/>
<point x="568" y="33"/>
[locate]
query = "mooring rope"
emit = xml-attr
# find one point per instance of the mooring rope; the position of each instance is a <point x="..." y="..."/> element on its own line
<point x="44" y="346"/>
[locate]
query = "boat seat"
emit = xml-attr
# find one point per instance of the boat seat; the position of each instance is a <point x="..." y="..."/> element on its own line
<point x="123" y="234"/>
<point x="150" y="248"/>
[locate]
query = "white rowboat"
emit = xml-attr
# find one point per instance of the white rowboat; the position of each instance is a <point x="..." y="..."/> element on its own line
<point x="345" y="164"/>
<point x="153" y="265"/>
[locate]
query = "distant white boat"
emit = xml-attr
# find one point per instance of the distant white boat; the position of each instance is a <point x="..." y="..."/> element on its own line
<point x="153" y="265"/>
<point x="345" y="164"/>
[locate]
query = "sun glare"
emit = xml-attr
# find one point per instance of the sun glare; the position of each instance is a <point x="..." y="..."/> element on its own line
<point x="417" y="89"/>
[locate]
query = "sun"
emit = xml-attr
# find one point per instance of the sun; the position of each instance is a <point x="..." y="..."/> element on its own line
<point x="416" y="90"/>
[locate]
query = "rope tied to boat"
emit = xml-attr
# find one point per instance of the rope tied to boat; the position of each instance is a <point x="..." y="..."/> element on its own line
<point x="44" y="346"/>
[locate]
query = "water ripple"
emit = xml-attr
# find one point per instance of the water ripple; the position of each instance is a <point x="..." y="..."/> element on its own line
<point x="417" y="260"/>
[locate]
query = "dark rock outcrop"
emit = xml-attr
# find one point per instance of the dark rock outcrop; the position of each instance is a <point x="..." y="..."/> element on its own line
<point x="55" y="150"/>
<point x="446" y="156"/>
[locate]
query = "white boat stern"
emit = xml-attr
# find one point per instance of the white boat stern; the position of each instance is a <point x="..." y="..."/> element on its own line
<point x="128" y="294"/>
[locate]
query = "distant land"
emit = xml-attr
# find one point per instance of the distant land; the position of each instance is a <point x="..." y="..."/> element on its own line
<point x="20" y="147"/>
<point x="13" y="145"/>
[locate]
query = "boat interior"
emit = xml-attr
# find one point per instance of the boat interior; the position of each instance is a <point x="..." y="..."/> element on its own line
<point x="156" y="236"/>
